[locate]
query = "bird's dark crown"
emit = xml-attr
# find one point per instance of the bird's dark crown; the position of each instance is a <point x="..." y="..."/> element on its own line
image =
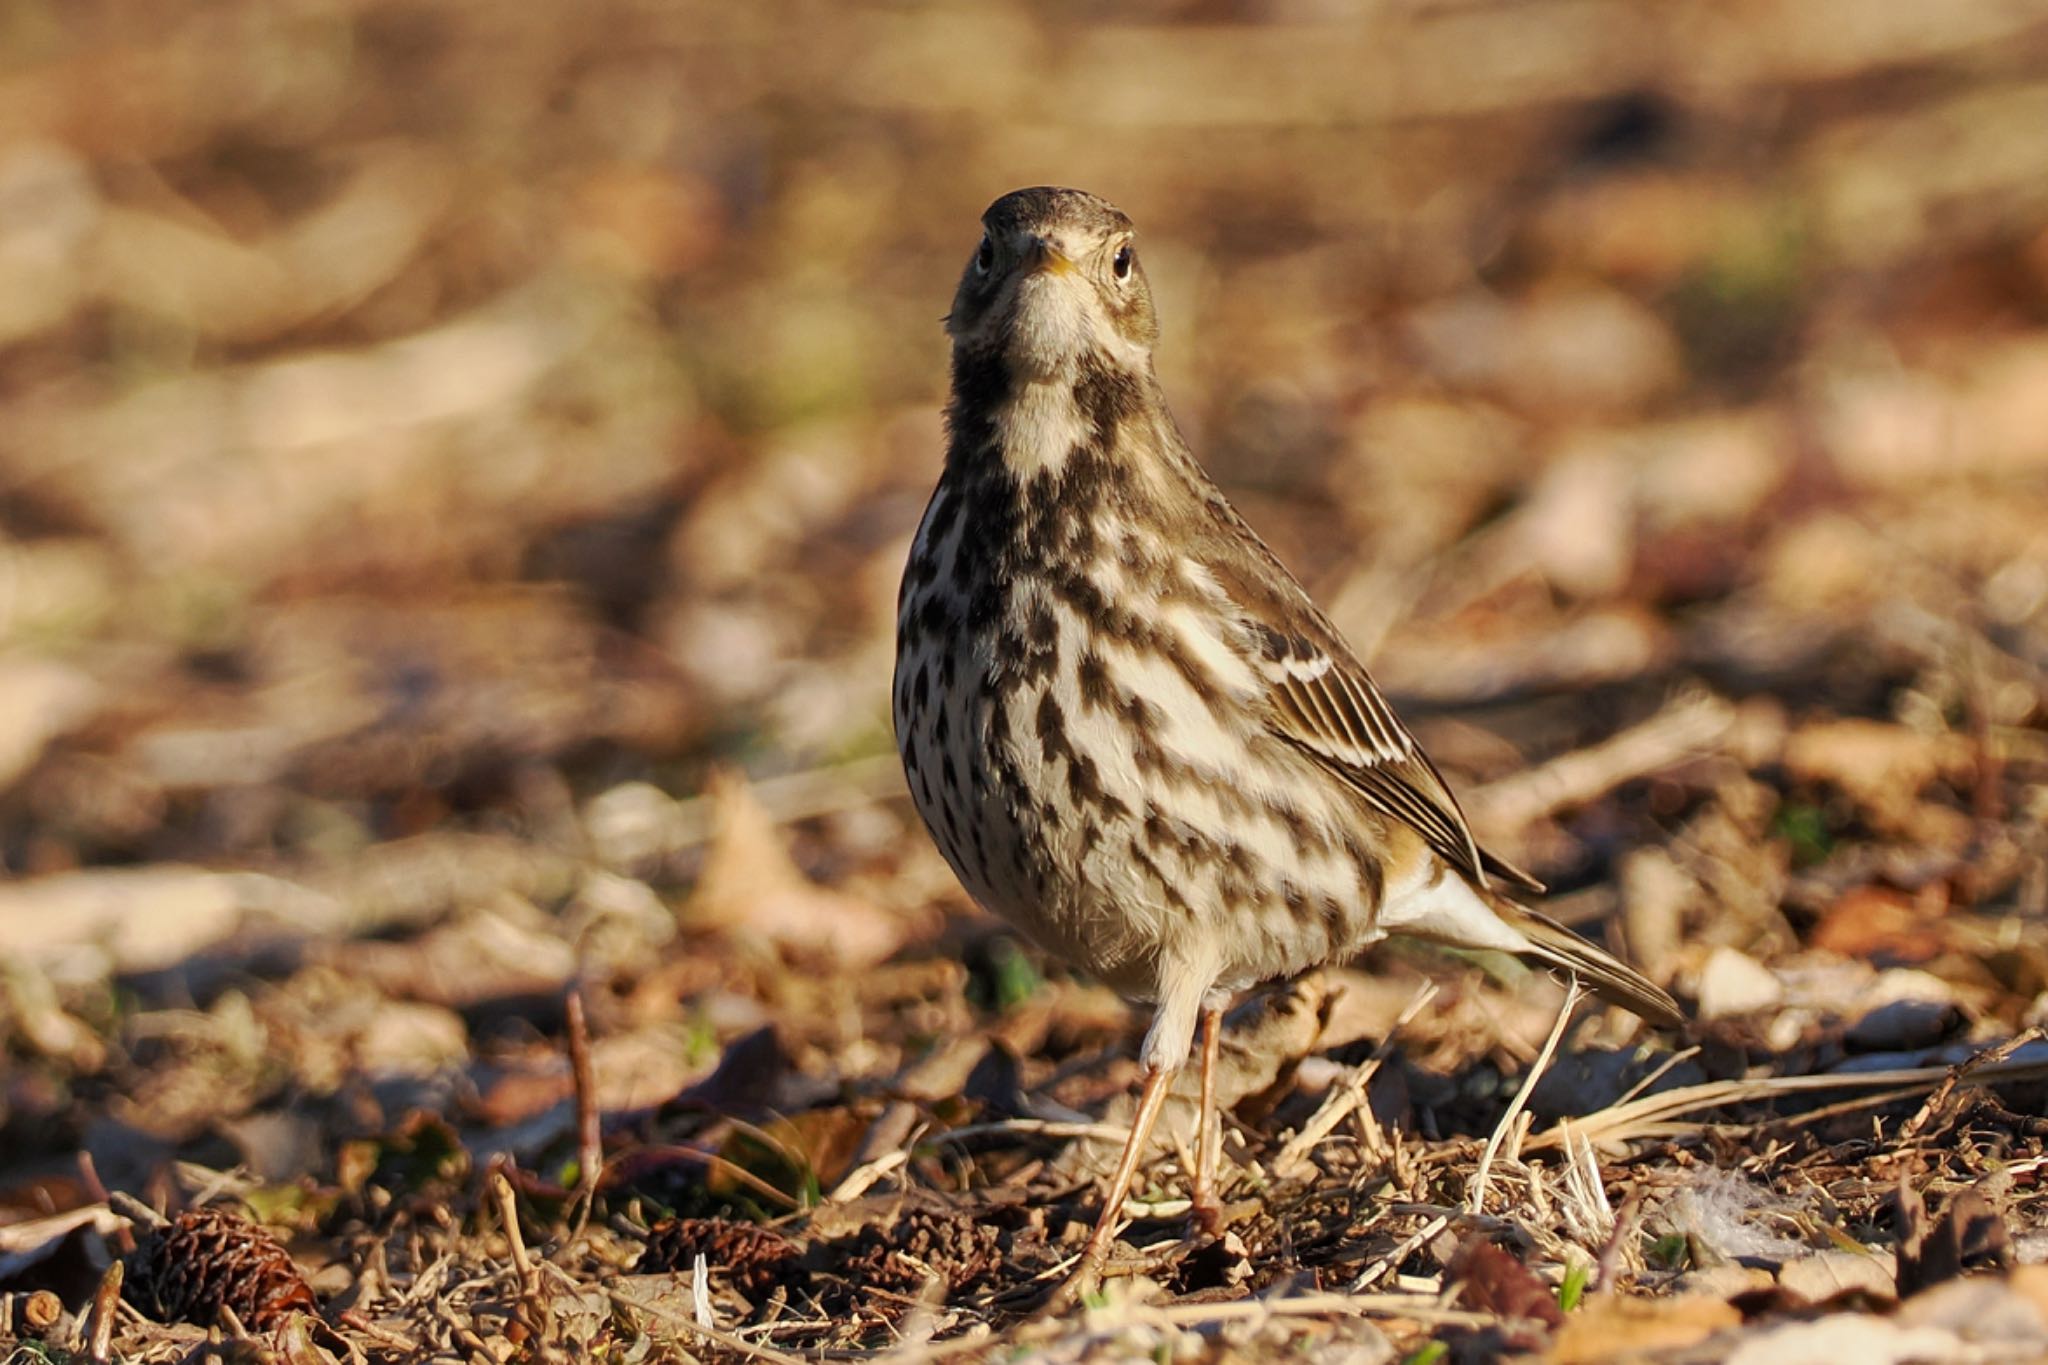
<point x="1049" y="206"/>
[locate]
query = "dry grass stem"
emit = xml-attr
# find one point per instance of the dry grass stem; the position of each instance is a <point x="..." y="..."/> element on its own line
<point x="1346" y="1097"/>
<point x="1475" y="1198"/>
<point x="1652" y="1116"/>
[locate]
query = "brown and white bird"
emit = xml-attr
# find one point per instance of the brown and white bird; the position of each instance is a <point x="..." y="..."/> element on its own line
<point x="1127" y="727"/>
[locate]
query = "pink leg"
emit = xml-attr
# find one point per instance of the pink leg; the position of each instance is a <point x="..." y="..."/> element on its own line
<point x="1088" y="1275"/>
<point x="1208" y="1211"/>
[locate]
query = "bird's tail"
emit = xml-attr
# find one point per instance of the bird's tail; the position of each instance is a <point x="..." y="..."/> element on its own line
<point x="1610" y="978"/>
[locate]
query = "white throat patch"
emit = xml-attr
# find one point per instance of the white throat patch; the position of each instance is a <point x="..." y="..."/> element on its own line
<point x="1039" y="425"/>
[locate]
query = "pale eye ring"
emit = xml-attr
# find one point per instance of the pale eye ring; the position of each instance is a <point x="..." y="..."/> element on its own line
<point x="985" y="257"/>
<point x="1121" y="262"/>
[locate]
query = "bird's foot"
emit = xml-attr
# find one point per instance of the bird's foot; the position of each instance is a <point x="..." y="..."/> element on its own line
<point x="1205" y="1216"/>
<point x="1083" y="1284"/>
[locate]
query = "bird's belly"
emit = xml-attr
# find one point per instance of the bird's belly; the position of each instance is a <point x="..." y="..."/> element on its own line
<point x="1123" y="822"/>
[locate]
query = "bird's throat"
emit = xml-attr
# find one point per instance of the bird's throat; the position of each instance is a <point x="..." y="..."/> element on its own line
<point x="1038" y="427"/>
<point x="1090" y="418"/>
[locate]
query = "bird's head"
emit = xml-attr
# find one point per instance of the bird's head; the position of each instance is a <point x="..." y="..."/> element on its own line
<point x="1054" y="279"/>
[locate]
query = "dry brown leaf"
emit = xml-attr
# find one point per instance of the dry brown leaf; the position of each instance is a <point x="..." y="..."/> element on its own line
<point x="1490" y="1280"/>
<point x="1869" y="921"/>
<point x="1966" y="1234"/>
<point x="1610" y="1328"/>
<point x="751" y="888"/>
<point x="823" y="1141"/>
<point x="1831" y="1274"/>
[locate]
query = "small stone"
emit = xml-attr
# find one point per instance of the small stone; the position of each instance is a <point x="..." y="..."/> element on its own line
<point x="1732" y="982"/>
<point x="1904" y="1025"/>
<point x="1587" y="1081"/>
<point x="1578" y="525"/>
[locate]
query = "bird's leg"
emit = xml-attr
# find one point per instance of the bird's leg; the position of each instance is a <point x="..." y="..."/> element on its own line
<point x="1088" y="1274"/>
<point x="1185" y="985"/>
<point x="1208" y="1211"/>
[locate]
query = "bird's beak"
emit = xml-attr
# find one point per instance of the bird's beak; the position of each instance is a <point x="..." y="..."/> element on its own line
<point x="1042" y="255"/>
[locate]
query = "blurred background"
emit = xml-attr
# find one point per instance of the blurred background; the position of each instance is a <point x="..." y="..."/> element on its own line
<point x="440" y="442"/>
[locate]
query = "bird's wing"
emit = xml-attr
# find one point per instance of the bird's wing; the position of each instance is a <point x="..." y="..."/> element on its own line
<point x="1324" y="703"/>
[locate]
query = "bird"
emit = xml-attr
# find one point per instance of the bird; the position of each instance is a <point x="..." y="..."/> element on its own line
<point x="1124" y="722"/>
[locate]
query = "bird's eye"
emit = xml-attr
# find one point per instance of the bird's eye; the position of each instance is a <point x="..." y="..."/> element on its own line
<point x="1121" y="263"/>
<point x="985" y="257"/>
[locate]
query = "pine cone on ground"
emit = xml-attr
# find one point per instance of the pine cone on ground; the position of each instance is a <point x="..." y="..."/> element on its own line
<point x="754" y="1258"/>
<point x="204" y="1260"/>
<point x="962" y="1252"/>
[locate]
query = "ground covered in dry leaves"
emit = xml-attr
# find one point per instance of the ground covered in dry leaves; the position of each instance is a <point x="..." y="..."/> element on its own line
<point x="455" y="463"/>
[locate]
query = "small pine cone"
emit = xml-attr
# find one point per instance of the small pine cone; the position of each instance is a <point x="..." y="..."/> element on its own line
<point x="205" y="1260"/>
<point x="754" y="1258"/>
<point x="962" y="1252"/>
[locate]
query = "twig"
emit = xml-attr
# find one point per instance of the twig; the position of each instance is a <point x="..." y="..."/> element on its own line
<point x="727" y="1167"/>
<point x="40" y="1311"/>
<point x="360" y="1321"/>
<point x="508" y="1214"/>
<point x="859" y="1180"/>
<point x="106" y="1302"/>
<point x="1475" y="1198"/>
<point x="1413" y="1306"/>
<point x="96" y="1190"/>
<point x="134" y="1210"/>
<point x="1876" y="1099"/>
<point x="1624" y="1224"/>
<point x="752" y="1350"/>
<point x="1105" y="1132"/>
<point x="1400" y="1253"/>
<point x="589" y="1133"/>
<point x="1682" y="729"/>
<point x="534" y="1308"/>
<point x="1910" y="1129"/>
